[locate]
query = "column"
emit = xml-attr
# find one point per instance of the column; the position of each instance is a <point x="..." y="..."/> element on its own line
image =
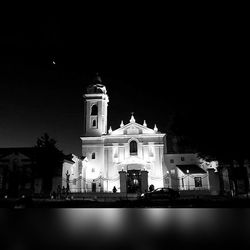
<point x="214" y="182"/>
<point x="144" y="181"/>
<point x="123" y="181"/>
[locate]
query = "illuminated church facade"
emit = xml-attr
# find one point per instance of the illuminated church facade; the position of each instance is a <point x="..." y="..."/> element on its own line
<point x="129" y="158"/>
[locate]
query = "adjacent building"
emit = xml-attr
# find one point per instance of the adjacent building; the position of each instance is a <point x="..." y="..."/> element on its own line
<point x="16" y="171"/>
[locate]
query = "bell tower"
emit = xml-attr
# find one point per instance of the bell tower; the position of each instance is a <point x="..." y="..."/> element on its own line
<point x="95" y="108"/>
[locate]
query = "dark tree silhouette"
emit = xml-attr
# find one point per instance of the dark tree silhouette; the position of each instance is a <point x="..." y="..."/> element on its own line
<point x="49" y="161"/>
<point x="215" y="134"/>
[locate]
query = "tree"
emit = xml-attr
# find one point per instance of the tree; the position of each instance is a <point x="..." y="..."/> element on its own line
<point x="49" y="161"/>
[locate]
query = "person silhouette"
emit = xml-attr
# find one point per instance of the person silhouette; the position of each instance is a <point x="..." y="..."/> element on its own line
<point x="151" y="188"/>
<point x="58" y="195"/>
<point x="63" y="192"/>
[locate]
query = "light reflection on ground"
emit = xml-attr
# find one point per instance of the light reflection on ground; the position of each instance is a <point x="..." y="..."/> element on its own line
<point x="124" y="228"/>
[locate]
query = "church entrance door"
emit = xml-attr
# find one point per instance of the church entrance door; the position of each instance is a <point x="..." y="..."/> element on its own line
<point x="133" y="181"/>
<point x="93" y="187"/>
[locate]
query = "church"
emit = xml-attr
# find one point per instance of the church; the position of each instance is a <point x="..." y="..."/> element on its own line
<point x="130" y="158"/>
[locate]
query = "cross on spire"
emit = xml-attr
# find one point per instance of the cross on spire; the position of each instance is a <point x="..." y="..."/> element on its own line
<point x="97" y="78"/>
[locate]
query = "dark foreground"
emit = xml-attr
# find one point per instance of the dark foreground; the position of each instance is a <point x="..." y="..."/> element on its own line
<point x="203" y="202"/>
<point x="117" y="228"/>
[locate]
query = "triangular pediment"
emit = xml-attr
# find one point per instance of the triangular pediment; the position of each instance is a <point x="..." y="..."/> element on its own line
<point x="133" y="128"/>
<point x="19" y="156"/>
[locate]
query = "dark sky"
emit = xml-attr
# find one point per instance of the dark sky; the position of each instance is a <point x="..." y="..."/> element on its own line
<point x="153" y="62"/>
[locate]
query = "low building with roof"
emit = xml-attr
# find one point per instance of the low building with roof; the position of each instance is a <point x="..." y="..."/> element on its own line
<point x="16" y="170"/>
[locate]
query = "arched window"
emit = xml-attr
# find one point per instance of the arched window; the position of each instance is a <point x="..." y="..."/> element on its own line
<point x="94" y="110"/>
<point x="94" y="123"/>
<point x="133" y="147"/>
<point x="93" y="156"/>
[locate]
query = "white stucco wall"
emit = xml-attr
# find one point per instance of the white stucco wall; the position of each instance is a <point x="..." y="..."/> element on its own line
<point x="184" y="181"/>
<point x="112" y="154"/>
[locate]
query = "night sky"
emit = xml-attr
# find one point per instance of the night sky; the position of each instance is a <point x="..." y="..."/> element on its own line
<point x="155" y="63"/>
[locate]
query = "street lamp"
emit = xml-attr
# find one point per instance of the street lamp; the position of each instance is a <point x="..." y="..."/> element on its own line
<point x="168" y="179"/>
<point x="188" y="178"/>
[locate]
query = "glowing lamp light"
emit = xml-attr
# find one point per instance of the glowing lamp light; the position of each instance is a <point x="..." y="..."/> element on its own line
<point x="188" y="178"/>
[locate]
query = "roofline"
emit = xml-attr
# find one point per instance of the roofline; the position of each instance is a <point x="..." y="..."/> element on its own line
<point x="102" y="137"/>
<point x="170" y="154"/>
<point x="69" y="161"/>
<point x="89" y="138"/>
<point x="134" y="135"/>
<point x="131" y="123"/>
<point x="19" y="148"/>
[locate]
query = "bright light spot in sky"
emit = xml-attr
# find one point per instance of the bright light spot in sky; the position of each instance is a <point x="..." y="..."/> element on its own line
<point x="54" y="62"/>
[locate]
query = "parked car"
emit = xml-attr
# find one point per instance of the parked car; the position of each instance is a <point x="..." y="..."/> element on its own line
<point x="161" y="194"/>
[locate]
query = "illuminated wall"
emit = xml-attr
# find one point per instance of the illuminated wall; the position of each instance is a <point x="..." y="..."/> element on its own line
<point x="185" y="181"/>
<point x="112" y="154"/>
<point x="76" y="169"/>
